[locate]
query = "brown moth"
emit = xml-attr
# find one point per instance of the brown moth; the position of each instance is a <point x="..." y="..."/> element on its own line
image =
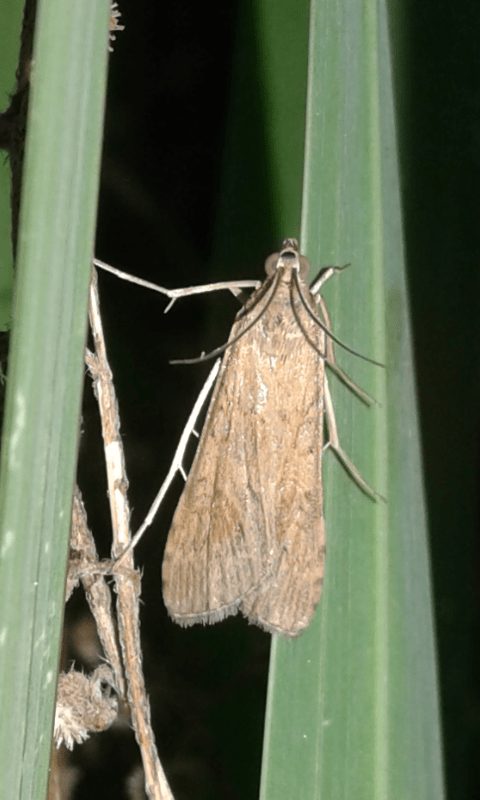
<point x="249" y="532"/>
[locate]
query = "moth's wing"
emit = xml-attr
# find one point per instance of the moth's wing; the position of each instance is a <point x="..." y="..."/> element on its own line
<point x="284" y="602"/>
<point x="216" y="548"/>
<point x="249" y="531"/>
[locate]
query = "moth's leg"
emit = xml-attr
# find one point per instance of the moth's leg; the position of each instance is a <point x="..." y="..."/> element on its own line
<point x="177" y="463"/>
<point x="334" y="443"/>
<point x="329" y="349"/>
<point x="332" y="363"/>
<point x="326" y="273"/>
<point x="267" y="291"/>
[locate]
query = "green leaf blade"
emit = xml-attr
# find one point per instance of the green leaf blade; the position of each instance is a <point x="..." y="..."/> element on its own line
<point x="352" y="707"/>
<point x="45" y="374"/>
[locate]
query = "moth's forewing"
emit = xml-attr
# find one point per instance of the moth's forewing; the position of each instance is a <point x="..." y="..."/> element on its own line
<point x="249" y="532"/>
<point x="216" y="546"/>
<point x="285" y="600"/>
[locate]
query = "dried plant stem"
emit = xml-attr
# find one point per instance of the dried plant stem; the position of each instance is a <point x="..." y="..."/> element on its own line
<point x="235" y="287"/>
<point x="84" y="565"/>
<point x="127" y="580"/>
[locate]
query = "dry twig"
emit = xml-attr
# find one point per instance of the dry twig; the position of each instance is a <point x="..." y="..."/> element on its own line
<point x="126" y="579"/>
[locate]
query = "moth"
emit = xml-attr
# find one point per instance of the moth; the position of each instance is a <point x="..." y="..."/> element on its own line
<point x="248" y="533"/>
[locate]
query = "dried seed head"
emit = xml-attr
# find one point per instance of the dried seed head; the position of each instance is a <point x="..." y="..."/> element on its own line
<point x="84" y="705"/>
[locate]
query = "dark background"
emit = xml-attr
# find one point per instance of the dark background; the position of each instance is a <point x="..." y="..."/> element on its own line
<point x="170" y="93"/>
<point x="168" y="99"/>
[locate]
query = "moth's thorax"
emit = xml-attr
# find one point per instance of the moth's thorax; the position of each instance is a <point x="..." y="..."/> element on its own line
<point x="287" y="272"/>
<point x="288" y="288"/>
<point x="284" y="325"/>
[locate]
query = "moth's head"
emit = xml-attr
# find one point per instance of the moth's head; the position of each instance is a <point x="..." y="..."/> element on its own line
<point x="289" y="259"/>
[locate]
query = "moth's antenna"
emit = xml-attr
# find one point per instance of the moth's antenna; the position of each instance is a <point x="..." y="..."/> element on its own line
<point x="363" y="396"/>
<point x="324" y="327"/>
<point x="222" y="349"/>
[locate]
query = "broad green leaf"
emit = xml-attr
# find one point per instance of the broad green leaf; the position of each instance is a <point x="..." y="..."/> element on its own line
<point x="57" y="227"/>
<point x="352" y="707"/>
<point x="10" y="26"/>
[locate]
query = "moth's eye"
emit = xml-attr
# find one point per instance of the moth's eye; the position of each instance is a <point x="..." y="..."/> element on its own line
<point x="271" y="263"/>
<point x="304" y="267"/>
